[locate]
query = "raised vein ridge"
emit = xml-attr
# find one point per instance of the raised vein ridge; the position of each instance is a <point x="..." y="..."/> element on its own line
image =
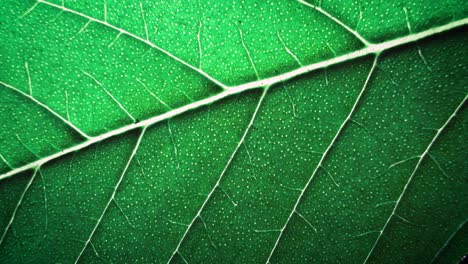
<point x="420" y="160"/>
<point x="123" y="31"/>
<point x="208" y="197"/>
<point x="372" y="49"/>
<point x="322" y="158"/>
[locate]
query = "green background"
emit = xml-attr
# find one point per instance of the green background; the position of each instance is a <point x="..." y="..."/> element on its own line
<point x="411" y="93"/>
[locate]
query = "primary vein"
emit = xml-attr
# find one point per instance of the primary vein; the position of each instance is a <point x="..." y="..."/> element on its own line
<point x="372" y="49"/>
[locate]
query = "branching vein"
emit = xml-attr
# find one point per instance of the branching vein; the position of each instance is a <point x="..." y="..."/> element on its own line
<point x="173" y="140"/>
<point x="448" y="241"/>
<point x="324" y="155"/>
<point x="288" y="50"/>
<point x="421" y="158"/>
<point x="46" y="208"/>
<point x="84" y="26"/>
<point x="18" y="205"/>
<point x="336" y="20"/>
<point x="200" y="54"/>
<point x="248" y="53"/>
<point x="154" y="95"/>
<point x="123" y="31"/>
<point x="115" y="40"/>
<point x="110" y="95"/>
<point x="29" y="10"/>
<point x="114" y="192"/>
<point x="6" y="162"/>
<point x="410" y="30"/>
<point x="371" y="49"/>
<point x="66" y="106"/>
<point x="105" y="10"/>
<point x="144" y="21"/>
<point x="229" y="91"/>
<point x="239" y="144"/>
<point x="46" y="108"/>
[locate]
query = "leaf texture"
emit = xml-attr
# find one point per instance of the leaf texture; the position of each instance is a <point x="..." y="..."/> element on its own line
<point x="233" y="132"/>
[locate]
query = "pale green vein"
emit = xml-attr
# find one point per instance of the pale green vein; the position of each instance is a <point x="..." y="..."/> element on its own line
<point x="110" y="95"/>
<point x="46" y="207"/>
<point x="26" y="66"/>
<point x="421" y="158"/>
<point x="46" y="108"/>
<point x="123" y="31"/>
<point x="173" y="140"/>
<point x="98" y="222"/>
<point x="288" y="50"/>
<point x="410" y="30"/>
<point x="200" y="54"/>
<point x="6" y="162"/>
<point x="105" y="10"/>
<point x="444" y="246"/>
<point x="18" y="205"/>
<point x="239" y="144"/>
<point x="248" y="53"/>
<point x="154" y="95"/>
<point x="144" y="21"/>
<point x="324" y="155"/>
<point x="373" y="49"/>
<point x="339" y="22"/>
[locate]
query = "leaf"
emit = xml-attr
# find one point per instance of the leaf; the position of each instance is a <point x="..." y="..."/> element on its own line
<point x="218" y="132"/>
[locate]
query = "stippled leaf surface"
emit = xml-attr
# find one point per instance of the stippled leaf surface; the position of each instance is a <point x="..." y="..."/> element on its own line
<point x="233" y="132"/>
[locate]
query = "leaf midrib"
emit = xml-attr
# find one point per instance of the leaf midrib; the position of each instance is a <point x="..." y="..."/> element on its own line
<point x="232" y="90"/>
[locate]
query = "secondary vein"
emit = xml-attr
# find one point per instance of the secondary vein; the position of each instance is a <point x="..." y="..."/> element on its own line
<point x="239" y="144"/>
<point x="146" y="41"/>
<point x="98" y="222"/>
<point x="421" y="158"/>
<point x="373" y="49"/>
<point x="323" y="157"/>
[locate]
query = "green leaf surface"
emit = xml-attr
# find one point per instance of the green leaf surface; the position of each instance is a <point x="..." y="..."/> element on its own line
<point x="233" y="132"/>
